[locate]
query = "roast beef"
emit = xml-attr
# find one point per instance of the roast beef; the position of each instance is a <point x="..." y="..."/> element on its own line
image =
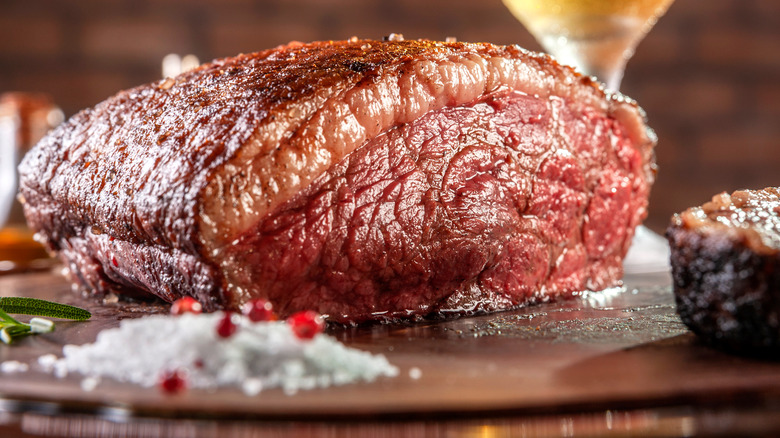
<point x="362" y="179"/>
<point x="726" y="270"/>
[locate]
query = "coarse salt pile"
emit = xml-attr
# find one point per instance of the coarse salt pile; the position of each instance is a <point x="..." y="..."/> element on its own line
<point x="257" y="356"/>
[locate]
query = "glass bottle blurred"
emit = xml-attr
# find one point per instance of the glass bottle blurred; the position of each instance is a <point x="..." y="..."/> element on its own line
<point x="24" y="119"/>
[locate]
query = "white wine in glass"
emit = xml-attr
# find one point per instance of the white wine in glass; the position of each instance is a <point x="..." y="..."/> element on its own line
<point x="596" y="36"/>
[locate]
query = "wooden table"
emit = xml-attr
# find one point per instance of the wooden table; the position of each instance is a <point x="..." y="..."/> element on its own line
<point x="615" y="363"/>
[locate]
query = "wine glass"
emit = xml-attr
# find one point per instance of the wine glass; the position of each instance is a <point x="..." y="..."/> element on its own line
<point x="596" y="36"/>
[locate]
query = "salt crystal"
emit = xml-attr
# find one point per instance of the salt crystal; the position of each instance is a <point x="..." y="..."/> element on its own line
<point x="47" y="362"/>
<point x="415" y="373"/>
<point x="257" y="357"/>
<point x="13" y="366"/>
<point x="89" y="384"/>
<point x="167" y="83"/>
<point x="61" y="369"/>
<point x="252" y="386"/>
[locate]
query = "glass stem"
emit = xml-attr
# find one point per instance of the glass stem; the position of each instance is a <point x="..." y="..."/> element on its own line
<point x="594" y="59"/>
<point x="611" y="77"/>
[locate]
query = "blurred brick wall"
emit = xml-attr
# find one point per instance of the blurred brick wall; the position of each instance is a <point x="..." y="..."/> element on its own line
<point x="708" y="75"/>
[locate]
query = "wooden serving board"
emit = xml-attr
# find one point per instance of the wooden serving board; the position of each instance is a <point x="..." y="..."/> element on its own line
<point x="607" y="351"/>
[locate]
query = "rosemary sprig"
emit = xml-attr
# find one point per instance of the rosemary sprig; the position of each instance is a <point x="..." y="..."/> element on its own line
<point x="11" y="329"/>
<point x="37" y="307"/>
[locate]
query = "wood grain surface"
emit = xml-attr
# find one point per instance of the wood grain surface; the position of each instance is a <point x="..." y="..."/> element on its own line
<point x="610" y="351"/>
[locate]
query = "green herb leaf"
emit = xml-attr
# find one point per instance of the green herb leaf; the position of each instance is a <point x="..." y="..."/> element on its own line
<point x="16" y="330"/>
<point x="38" y="307"/>
<point x="7" y="319"/>
<point x="10" y="332"/>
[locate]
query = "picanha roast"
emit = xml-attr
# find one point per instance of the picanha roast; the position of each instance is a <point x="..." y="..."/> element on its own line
<point x="362" y="179"/>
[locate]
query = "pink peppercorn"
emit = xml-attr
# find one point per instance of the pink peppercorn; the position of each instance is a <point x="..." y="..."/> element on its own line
<point x="172" y="382"/>
<point x="306" y="324"/>
<point x="226" y="327"/>
<point x="259" y="310"/>
<point x="184" y="305"/>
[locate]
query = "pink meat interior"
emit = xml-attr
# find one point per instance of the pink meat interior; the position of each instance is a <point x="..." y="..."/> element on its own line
<point x="506" y="201"/>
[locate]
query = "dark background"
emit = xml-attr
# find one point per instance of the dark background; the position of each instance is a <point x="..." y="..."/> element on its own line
<point x="708" y="75"/>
